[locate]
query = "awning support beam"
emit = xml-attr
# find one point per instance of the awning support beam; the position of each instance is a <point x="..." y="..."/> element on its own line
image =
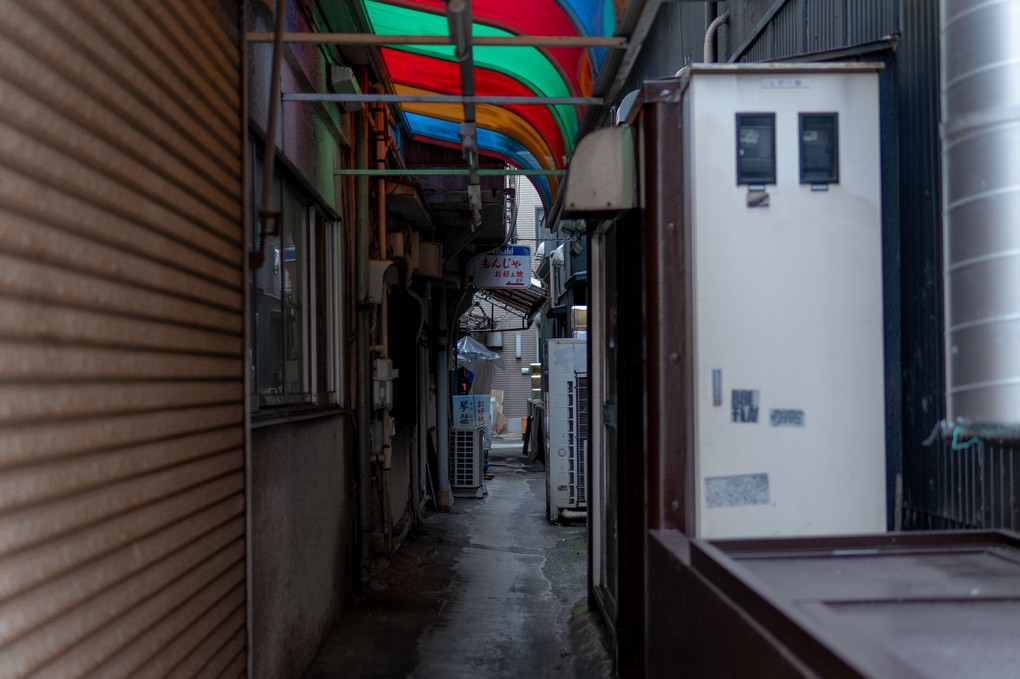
<point x="436" y="172"/>
<point x="442" y="99"/>
<point x="369" y="39"/>
<point x="458" y="19"/>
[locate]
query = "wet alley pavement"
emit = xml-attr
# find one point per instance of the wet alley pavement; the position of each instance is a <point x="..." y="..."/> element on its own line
<point x="488" y="589"/>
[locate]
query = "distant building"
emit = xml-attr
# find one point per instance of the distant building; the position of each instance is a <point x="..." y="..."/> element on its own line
<point x="509" y="330"/>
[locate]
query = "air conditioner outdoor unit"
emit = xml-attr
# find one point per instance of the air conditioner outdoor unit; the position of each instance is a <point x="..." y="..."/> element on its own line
<point x="344" y="82"/>
<point x="466" y="459"/>
<point x="567" y="405"/>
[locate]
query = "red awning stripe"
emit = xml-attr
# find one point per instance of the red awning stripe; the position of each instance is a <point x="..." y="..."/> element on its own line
<point x="443" y="77"/>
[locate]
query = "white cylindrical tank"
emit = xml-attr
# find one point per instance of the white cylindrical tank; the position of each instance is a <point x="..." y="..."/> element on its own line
<point x="981" y="201"/>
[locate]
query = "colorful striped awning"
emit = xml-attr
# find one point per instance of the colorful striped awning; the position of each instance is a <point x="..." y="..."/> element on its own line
<point x="530" y="136"/>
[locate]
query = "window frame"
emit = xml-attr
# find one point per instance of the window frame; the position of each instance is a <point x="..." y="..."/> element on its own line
<point x="320" y="259"/>
<point x="811" y="176"/>
<point x="748" y="120"/>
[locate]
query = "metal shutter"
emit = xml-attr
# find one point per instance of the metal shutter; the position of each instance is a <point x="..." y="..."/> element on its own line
<point x="122" y="510"/>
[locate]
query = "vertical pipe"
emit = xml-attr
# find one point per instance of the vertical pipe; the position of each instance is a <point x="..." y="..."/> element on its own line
<point x="386" y="446"/>
<point x="443" y="404"/>
<point x="708" y="51"/>
<point x="384" y="317"/>
<point x="412" y="448"/>
<point x="425" y="416"/>
<point x="364" y="368"/>
<point x="380" y="163"/>
<point x="665" y="266"/>
<point x="274" y="107"/>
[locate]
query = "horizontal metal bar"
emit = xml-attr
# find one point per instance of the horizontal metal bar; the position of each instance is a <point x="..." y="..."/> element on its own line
<point x="486" y="40"/>
<point x="442" y="99"/>
<point x="455" y="171"/>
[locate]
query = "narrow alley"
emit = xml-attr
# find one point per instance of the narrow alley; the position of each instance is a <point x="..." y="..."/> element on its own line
<point x="489" y="588"/>
<point x="731" y="287"/>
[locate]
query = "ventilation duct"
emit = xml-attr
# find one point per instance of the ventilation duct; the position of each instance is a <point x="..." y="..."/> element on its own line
<point x="981" y="194"/>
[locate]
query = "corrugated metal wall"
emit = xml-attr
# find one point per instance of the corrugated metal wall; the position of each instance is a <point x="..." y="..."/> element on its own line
<point x="802" y="27"/>
<point x="122" y="529"/>
<point x="963" y="480"/>
<point x="675" y="39"/>
<point x="974" y="484"/>
<point x="924" y="468"/>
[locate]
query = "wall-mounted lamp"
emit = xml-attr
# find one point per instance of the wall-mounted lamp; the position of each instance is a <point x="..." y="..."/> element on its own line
<point x="343" y="81"/>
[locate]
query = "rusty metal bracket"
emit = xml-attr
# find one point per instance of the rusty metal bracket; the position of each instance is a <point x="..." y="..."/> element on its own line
<point x="266" y="218"/>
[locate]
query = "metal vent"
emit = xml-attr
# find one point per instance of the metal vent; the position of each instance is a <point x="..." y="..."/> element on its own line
<point x="581" y="446"/>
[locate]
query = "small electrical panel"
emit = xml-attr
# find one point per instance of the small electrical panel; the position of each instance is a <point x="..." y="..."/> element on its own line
<point x="756" y="148"/>
<point x="819" y="148"/>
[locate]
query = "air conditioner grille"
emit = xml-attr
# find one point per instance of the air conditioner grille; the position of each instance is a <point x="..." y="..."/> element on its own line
<point x="465" y="458"/>
<point x="581" y="445"/>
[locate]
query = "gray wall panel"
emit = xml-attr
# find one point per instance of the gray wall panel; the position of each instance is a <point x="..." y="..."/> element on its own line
<point x="302" y="532"/>
<point x="303" y="508"/>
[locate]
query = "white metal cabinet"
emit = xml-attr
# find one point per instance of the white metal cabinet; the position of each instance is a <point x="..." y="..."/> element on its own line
<point x="787" y="316"/>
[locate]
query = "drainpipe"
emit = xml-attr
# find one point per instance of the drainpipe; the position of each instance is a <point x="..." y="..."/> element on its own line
<point x="709" y="48"/>
<point x="385" y="456"/>
<point x="386" y="447"/>
<point x="443" y="405"/>
<point x="267" y="216"/>
<point x="364" y="368"/>
<point x="274" y="106"/>
<point x="419" y="448"/>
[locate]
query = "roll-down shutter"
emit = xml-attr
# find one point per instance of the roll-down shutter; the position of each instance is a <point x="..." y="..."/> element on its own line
<point x="121" y="339"/>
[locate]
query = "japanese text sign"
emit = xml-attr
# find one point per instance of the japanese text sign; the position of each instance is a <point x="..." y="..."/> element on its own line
<point x="508" y="267"/>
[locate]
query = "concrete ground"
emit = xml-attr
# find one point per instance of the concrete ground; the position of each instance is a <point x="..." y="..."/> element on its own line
<point x="489" y="589"/>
